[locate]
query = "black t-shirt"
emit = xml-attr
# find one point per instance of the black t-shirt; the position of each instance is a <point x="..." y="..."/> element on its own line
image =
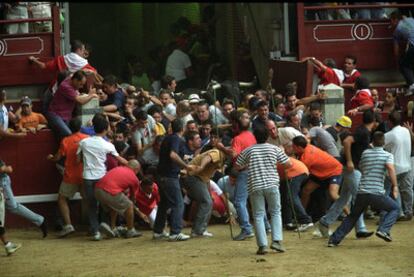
<point x="166" y="166"/>
<point x="258" y="122"/>
<point x="362" y="138"/>
<point x="333" y="132"/>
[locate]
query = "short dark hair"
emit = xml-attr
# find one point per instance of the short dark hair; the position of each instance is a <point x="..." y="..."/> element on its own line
<point x="300" y="141"/>
<point x="378" y="139"/>
<point x="351" y="57"/>
<point x="330" y="62"/>
<point x="79" y="75"/>
<point x="190" y="135"/>
<point x="75" y="45"/>
<point x="395" y="118"/>
<point x="176" y="125"/>
<point x="100" y="123"/>
<point x="62" y="75"/>
<point x="154" y="109"/>
<point x="290" y="93"/>
<point x="207" y="122"/>
<point x="227" y="101"/>
<point x="262" y="103"/>
<point x="368" y="117"/>
<point x="140" y="115"/>
<point x="261" y="134"/>
<point x="146" y="181"/>
<point x="110" y="80"/>
<point x="75" y="124"/>
<point x="362" y="83"/>
<point x="396" y="15"/>
<point x="165" y="91"/>
<point x="166" y="81"/>
<point x="314" y="121"/>
<point x="315" y="106"/>
<point x="290" y="115"/>
<point x="191" y="122"/>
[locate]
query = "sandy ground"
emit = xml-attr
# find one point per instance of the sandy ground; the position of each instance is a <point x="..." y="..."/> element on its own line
<point x="218" y="256"/>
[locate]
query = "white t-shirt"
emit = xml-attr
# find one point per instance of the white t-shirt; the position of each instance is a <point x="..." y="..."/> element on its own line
<point x="286" y="135"/>
<point x="4" y="118"/>
<point x="170" y="109"/>
<point x="398" y="142"/>
<point x="94" y="150"/>
<point x="186" y="118"/>
<point x="144" y="136"/>
<point x="221" y="119"/>
<point x="177" y="62"/>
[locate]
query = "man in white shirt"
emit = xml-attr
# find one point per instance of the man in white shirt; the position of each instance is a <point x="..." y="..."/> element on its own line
<point x="179" y="66"/>
<point x="144" y="132"/>
<point x="93" y="151"/>
<point x="398" y="142"/>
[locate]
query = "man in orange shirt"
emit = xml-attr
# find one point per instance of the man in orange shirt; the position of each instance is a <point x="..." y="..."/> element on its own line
<point x="30" y="121"/>
<point x="295" y="177"/>
<point x="325" y="171"/>
<point x="72" y="178"/>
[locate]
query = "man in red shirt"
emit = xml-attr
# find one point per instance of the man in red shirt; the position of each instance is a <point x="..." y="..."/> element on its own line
<point x="362" y="100"/>
<point x="109" y="191"/>
<point x="243" y="140"/>
<point x="72" y="177"/>
<point x="328" y="73"/>
<point x="350" y="72"/>
<point x="147" y="198"/>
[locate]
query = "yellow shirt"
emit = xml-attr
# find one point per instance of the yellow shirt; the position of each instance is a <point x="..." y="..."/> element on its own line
<point x="217" y="161"/>
<point x="159" y="129"/>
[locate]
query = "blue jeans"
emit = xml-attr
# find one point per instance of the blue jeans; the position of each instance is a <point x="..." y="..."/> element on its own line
<point x="258" y="201"/>
<point x="89" y="190"/>
<point x="58" y="126"/>
<point x="14" y="207"/>
<point x="295" y="186"/>
<point x="380" y="202"/>
<point x="240" y="202"/>
<point x="405" y="192"/>
<point x="405" y="62"/>
<point x="348" y="191"/>
<point x="170" y="197"/>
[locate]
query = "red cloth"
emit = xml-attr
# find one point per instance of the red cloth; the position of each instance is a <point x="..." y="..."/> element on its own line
<point x="362" y="97"/>
<point x="147" y="203"/>
<point x="218" y="203"/>
<point x="329" y="77"/>
<point x="111" y="162"/>
<point x="73" y="169"/>
<point x="350" y="79"/>
<point x="242" y="141"/>
<point x="119" y="180"/>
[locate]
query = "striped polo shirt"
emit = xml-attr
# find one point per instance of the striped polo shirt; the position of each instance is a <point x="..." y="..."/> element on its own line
<point x="261" y="160"/>
<point x="372" y="166"/>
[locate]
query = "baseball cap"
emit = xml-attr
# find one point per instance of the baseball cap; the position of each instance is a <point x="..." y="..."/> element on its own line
<point x="193" y="98"/>
<point x="344" y="121"/>
<point x="26" y="101"/>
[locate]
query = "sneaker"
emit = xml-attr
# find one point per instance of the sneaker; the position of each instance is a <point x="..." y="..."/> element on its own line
<point x="162" y="235"/>
<point x="205" y="234"/>
<point x="384" y="236"/>
<point x="268" y="231"/>
<point x="406" y="217"/>
<point x="410" y="108"/>
<point x="331" y="243"/>
<point x="120" y="231"/>
<point x="304" y="227"/>
<point x="12" y="247"/>
<point x="104" y="228"/>
<point x="43" y="228"/>
<point x="243" y="236"/>
<point x="132" y="233"/>
<point x="97" y="236"/>
<point x="290" y="226"/>
<point x="261" y="251"/>
<point x="363" y="235"/>
<point x="277" y="245"/>
<point x="178" y="237"/>
<point x="67" y="230"/>
<point x="324" y="230"/>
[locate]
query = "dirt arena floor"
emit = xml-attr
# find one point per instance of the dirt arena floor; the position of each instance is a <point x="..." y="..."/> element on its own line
<point x="218" y="256"/>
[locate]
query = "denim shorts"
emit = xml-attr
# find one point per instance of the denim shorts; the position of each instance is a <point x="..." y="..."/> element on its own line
<point x="337" y="179"/>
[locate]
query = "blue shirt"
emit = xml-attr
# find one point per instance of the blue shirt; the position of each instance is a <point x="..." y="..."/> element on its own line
<point x="166" y="166"/>
<point x="117" y="99"/>
<point x="405" y="30"/>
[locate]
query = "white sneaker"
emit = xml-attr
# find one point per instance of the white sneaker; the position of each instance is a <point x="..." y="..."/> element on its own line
<point x="67" y="230"/>
<point x="120" y="231"/>
<point x="304" y="227"/>
<point x="205" y="234"/>
<point x="322" y="229"/>
<point x="104" y="228"/>
<point x="12" y="247"/>
<point x="97" y="236"/>
<point x="132" y="233"/>
<point x="178" y="237"/>
<point x="162" y="235"/>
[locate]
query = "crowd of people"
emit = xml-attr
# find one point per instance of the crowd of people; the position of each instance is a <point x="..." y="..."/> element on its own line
<point x="152" y="157"/>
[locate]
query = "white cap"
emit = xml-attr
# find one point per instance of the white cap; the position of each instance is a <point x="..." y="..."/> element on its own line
<point x="194" y="98"/>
